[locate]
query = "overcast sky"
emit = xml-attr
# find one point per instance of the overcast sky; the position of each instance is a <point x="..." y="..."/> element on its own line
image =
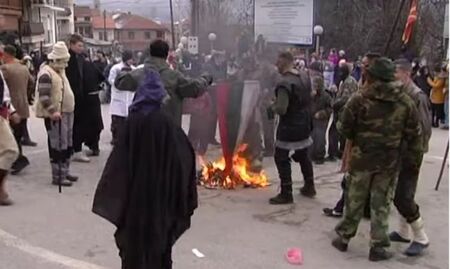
<point x="148" y="8"/>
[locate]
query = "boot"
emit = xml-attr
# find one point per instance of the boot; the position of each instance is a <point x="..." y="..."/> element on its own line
<point x="402" y="236"/>
<point x="285" y="197"/>
<point x="420" y="242"/>
<point x="64" y="183"/>
<point x="379" y="254"/>
<point x="308" y="189"/>
<point x="340" y="244"/>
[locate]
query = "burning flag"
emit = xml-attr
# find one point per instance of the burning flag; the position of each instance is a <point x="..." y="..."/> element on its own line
<point x="236" y="104"/>
<point x="412" y="18"/>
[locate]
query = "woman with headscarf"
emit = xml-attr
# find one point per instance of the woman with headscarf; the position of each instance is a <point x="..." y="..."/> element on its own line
<point x="148" y="187"/>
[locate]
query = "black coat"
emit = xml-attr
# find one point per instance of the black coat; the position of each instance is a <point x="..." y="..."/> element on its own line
<point x="148" y="190"/>
<point x="74" y="73"/>
<point x="92" y="107"/>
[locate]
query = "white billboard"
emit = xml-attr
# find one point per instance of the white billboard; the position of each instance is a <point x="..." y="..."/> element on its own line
<point x="285" y="21"/>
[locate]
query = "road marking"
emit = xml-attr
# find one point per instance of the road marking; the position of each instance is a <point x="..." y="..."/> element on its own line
<point x="12" y="241"/>
<point x="436" y="157"/>
<point x="36" y="152"/>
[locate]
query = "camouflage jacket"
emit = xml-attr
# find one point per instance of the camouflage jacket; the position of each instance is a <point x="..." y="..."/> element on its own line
<point x="380" y="119"/>
<point x="347" y="88"/>
<point x="177" y="85"/>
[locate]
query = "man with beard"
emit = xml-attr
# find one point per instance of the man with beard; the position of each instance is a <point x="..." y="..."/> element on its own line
<point x="148" y="188"/>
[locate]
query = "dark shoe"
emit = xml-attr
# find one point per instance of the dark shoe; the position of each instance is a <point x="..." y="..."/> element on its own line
<point x="64" y="183"/>
<point x="332" y="213"/>
<point x="319" y="162"/>
<point x="282" y="199"/>
<point x="269" y="153"/>
<point x="379" y="254"/>
<point x="396" y="237"/>
<point x="308" y="191"/>
<point x="19" y="165"/>
<point x="6" y="202"/>
<point x="28" y="143"/>
<point x="339" y="244"/>
<point x="415" y="249"/>
<point x="330" y="159"/>
<point x="72" y="178"/>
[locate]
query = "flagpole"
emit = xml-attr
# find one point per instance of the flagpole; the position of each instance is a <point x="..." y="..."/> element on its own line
<point x="394" y="27"/>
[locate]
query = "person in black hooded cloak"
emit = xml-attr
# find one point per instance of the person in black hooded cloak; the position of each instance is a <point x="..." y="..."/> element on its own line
<point x="148" y="187"/>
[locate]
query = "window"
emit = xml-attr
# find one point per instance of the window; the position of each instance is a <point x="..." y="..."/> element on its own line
<point x="131" y="35"/>
<point x="160" y="34"/>
<point x="87" y="18"/>
<point x="100" y="36"/>
<point x="148" y="35"/>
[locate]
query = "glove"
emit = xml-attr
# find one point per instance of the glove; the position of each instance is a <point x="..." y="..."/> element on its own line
<point x="208" y="78"/>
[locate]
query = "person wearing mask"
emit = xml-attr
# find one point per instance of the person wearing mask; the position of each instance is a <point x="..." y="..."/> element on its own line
<point x="120" y="100"/>
<point x="19" y="81"/>
<point x="321" y="112"/>
<point x="347" y="88"/>
<point x="437" y="96"/>
<point x="75" y="74"/>
<point x="148" y="189"/>
<point x="8" y="146"/>
<point x="55" y="105"/>
<point x="388" y="125"/>
<point x="176" y="84"/>
<point x="293" y="104"/>
<point x="93" y="77"/>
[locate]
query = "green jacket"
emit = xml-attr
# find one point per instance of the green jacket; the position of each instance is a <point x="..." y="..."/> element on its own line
<point x="176" y="84"/>
<point x="347" y="88"/>
<point x="381" y="120"/>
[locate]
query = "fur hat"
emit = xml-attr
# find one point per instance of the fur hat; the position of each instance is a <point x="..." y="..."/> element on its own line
<point x="59" y="51"/>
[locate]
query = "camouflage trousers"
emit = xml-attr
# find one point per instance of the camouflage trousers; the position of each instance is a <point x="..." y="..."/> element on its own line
<point x="380" y="186"/>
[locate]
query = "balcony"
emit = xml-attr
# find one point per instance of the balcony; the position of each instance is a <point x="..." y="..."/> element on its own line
<point x="64" y="15"/>
<point x="32" y="28"/>
<point x="50" y="4"/>
<point x="13" y="5"/>
<point x="32" y="32"/>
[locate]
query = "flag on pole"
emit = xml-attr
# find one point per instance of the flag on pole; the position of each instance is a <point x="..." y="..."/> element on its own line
<point x="412" y="18"/>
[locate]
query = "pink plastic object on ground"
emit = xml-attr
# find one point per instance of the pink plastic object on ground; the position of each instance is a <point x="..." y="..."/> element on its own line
<point x="294" y="256"/>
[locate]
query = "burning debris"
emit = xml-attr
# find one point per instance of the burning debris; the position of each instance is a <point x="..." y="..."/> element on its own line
<point x="216" y="175"/>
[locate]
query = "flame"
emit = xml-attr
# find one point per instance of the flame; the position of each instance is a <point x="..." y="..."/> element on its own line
<point x="214" y="175"/>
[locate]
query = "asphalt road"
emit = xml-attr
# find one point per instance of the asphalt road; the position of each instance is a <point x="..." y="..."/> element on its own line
<point x="233" y="229"/>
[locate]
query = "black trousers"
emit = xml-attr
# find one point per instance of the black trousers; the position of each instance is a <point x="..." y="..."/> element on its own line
<point x="341" y="203"/>
<point x="336" y="143"/>
<point x="283" y="163"/>
<point x="18" y="131"/>
<point x="437" y="114"/>
<point x="406" y="192"/>
<point x="117" y="125"/>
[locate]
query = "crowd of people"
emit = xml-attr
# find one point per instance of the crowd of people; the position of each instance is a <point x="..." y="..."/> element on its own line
<point x="375" y="113"/>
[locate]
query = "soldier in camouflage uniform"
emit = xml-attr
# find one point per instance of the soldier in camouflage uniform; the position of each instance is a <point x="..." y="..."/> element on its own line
<point x="380" y="119"/>
<point x="347" y="88"/>
<point x="409" y="172"/>
<point x="320" y="112"/>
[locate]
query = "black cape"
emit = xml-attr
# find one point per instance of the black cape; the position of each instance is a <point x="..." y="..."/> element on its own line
<point x="148" y="190"/>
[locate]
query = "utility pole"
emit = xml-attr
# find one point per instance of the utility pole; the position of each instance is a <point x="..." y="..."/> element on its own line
<point x="172" y="26"/>
<point x="394" y="26"/>
<point x="194" y="17"/>
<point x="105" y="34"/>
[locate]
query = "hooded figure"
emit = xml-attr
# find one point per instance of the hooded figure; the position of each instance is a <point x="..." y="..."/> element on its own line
<point x="148" y="187"/>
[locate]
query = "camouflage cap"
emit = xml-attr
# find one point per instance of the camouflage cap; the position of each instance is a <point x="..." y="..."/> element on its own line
<point x="382" y="69"/>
